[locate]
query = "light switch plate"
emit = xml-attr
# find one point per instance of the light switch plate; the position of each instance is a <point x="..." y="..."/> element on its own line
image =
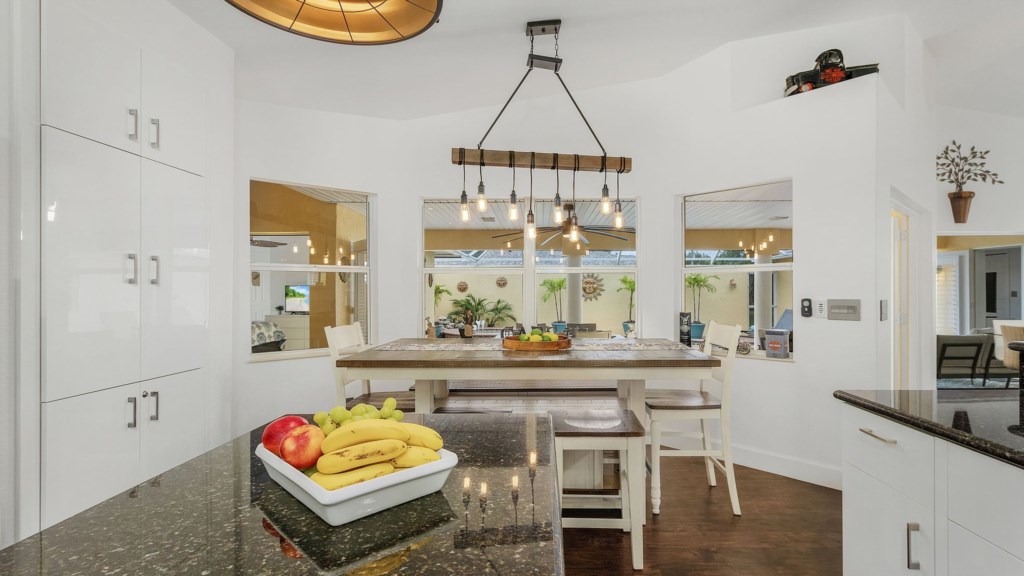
<point x="820" y="309"/>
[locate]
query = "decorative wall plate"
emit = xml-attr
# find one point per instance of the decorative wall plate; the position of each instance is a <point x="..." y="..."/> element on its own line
<point x="501" y="282"/>
<point x="430" y="280"/>
<point x="593" y="286"/>
<point x="462" y="286"/>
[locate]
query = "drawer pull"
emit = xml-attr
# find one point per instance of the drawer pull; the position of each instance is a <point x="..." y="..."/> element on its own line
<point x="911" y="563"/>
<point x="871" y="433"/>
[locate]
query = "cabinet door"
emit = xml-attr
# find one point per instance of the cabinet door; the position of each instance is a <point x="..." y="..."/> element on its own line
<point x="970" y="555"/>
<point x="175" y="264"/>
<point x="173" y="421"/>
<point x="91" y="75"/>
<point x="90" y="450"/>
<point x="174" y="106"/>
<point x="876" y="537"/>
<point x="90" y="266"/>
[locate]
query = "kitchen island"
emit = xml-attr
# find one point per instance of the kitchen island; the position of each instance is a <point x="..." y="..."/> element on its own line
<point x="931" y="482"/>
<point x="220" y="513"/>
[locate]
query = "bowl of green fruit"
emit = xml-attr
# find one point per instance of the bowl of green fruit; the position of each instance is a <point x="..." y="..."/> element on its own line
<point x="537" y="341"/>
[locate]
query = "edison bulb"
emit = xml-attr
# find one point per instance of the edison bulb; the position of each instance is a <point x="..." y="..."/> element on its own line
<point x="464" y="212"/>
<point x="574" y="234"/>
<point x="618" y="219"/>
<point x="481" y="203"/>
<point x="531" y="230"/>
<point x="558" y="215"/>
<point x="513" y="211"/>
<point x="606" y="205"/>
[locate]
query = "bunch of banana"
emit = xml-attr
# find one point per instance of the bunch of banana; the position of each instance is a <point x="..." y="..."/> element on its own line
<point x="367" y="449"/>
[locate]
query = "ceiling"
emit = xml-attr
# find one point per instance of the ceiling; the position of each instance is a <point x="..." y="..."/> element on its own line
<point x="352" y="200"/>
<point x="764" y="206"/>
<point x="474" y="55"/>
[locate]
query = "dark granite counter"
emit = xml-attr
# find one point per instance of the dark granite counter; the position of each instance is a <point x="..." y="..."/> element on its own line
<point x="986" y="421"/>
<point x="221" y="514"/>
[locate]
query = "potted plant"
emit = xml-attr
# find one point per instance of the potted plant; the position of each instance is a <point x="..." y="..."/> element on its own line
<point x="477" y="308"/>
<point x="628" y="285"/>
<point x="954" y="167"/>
<point x="553" y="289"/>
<point x="499" y="312"/>
<point x="698" y="283"/>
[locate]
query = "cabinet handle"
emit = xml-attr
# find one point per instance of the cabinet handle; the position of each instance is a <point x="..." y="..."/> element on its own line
<point x="155" y="142"/>
<point x="134" y="259"/>
<point x="871" y="433"/>
<point x="135" y="411"/>
<point x="911" y="563"/>
<point x="155" y="417"/>
<point x="155" y="280"/>
<point x="133" y="133"/>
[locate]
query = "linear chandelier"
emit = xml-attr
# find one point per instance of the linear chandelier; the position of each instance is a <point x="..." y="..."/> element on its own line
<point x="567" y="217"/>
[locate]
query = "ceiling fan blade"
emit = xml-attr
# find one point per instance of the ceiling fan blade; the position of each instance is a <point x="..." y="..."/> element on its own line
<point x="584" y="239"/>
<point x="608" y="234"/>
<point x="508" y="234"/>
<point x="552" y="237"/>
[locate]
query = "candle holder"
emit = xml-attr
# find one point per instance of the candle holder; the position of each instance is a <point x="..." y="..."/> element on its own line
<point x="515" y="503"/>
<point x="465" y="501"/>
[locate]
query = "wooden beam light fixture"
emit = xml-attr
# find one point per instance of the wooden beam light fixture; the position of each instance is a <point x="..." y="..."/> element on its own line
<point x="519" y="159"/>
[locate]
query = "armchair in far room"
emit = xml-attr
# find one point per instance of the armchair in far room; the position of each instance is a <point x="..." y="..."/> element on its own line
<point x="266" y="337"/>
<point x="958" y="356"/>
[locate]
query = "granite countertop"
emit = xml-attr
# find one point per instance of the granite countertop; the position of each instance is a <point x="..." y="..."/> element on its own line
<point x="220" y="513"/>
<point x="986" y="421"/>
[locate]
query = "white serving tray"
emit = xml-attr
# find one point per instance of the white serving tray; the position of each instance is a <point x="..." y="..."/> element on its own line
<point x="337" y="507"/>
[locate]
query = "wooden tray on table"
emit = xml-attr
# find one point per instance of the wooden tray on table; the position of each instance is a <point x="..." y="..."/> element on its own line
<point x="513" y="343"/>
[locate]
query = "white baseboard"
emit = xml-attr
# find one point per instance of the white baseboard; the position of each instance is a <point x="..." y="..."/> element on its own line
<point x="786" y="465"/>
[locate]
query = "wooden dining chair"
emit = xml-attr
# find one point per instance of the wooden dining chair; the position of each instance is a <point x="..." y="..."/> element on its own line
<point x="721" y="341"/>
<point x="343" y="341"/>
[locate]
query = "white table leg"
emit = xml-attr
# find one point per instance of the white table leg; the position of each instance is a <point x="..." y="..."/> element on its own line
<point x="440" y="388"/>
<point x="638" y="505"/>
<point x="424" y="396"/>
<point x="635" y="398"/>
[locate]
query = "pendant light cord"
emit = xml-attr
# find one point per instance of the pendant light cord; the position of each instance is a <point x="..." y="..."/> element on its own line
<point x="533" y="164"/>
<point x="512" y="165"/>
<point x="462" y="162"/>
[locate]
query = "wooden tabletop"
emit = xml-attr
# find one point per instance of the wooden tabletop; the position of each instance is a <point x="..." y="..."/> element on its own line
<point x="670" y="355"/>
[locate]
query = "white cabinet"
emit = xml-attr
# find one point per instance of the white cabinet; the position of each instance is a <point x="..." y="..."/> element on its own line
<point x="90" y="266"/>
<point x="100" y="82"/>
<point x="90" y="450"/>
<point x="295" y="328"/>
<point x="971" y="555"/>
<point x="172" y="411"/>
<point x="97" y="445"/>
<point x="175" y="271"/>
<point x="174" y="114"/>
<point x="884" y="531"/>
<point x="90" y="75"/>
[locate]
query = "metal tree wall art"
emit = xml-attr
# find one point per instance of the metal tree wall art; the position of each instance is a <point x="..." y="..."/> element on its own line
<point x="957" y="168"/>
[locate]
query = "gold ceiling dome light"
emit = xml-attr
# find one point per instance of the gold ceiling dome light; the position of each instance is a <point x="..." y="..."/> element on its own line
<point x="346" y="21"/>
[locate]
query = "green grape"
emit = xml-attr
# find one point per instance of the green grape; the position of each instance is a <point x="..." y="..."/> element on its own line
<point x="320" y="418"/>
<point x="372" y="412"/>
<point x="338" y="414"/>
<point x="397" y="415"/>
<point x="386" y="413"/>
<point x="390" y="403"/>
<point x="358" y="410"/>
<point x="329" y="426"/>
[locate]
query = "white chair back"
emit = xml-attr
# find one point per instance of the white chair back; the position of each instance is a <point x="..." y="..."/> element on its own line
<point x="997" y="333"/>
<point x="340" y="338"/>
<point x="721" y="342"/>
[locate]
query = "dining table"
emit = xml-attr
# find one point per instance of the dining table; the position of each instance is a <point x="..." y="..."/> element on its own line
<point x="432" y="363"/>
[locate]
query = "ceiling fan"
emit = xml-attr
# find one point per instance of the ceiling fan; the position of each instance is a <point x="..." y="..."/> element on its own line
<point x="265" y="243"/>
<point x="563" y="230"/>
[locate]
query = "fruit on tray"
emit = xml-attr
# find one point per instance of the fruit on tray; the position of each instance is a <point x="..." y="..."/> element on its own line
<point x="360" y="455"/>
<point x="361" y="474"/>
<point x="364" y="431"/>
<point x="301" y="447"/>
<point x="275" y="432"/>
<point x="423" y="436"/>
<point x="536" y="332"/>
<point x="414" y="456"/>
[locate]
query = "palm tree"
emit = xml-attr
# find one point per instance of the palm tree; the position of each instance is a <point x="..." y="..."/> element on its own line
<point x="500" y="311"/>
<point x="697" y="283"/>
<point x="554" y="287"/>
<point x="628" y="285"/>
<point x="476" y="306"/>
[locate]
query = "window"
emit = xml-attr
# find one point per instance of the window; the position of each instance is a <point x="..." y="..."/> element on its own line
<point x="309" y="265"/>
<point x="738" y="258"/>
<point x="490" y="258"/>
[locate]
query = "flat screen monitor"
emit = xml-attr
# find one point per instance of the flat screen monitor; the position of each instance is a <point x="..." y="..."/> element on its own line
<point x="296" y="298"/>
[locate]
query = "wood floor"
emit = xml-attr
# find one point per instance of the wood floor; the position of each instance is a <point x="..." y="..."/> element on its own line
<point x="788" y="528"/>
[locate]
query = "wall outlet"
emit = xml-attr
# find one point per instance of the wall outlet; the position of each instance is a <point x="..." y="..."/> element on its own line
<point x="820" y="308"/>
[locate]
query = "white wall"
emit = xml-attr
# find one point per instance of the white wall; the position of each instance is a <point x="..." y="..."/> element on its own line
<point x="706" y="126"/>
<point x="7" y="392"/>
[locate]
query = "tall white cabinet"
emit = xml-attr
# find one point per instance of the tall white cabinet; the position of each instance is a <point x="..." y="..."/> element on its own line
<point x="125" y="256"/>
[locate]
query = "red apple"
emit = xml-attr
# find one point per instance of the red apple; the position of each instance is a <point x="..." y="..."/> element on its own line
<point x="301" y="446"/>
<point x="275" y="431"/>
